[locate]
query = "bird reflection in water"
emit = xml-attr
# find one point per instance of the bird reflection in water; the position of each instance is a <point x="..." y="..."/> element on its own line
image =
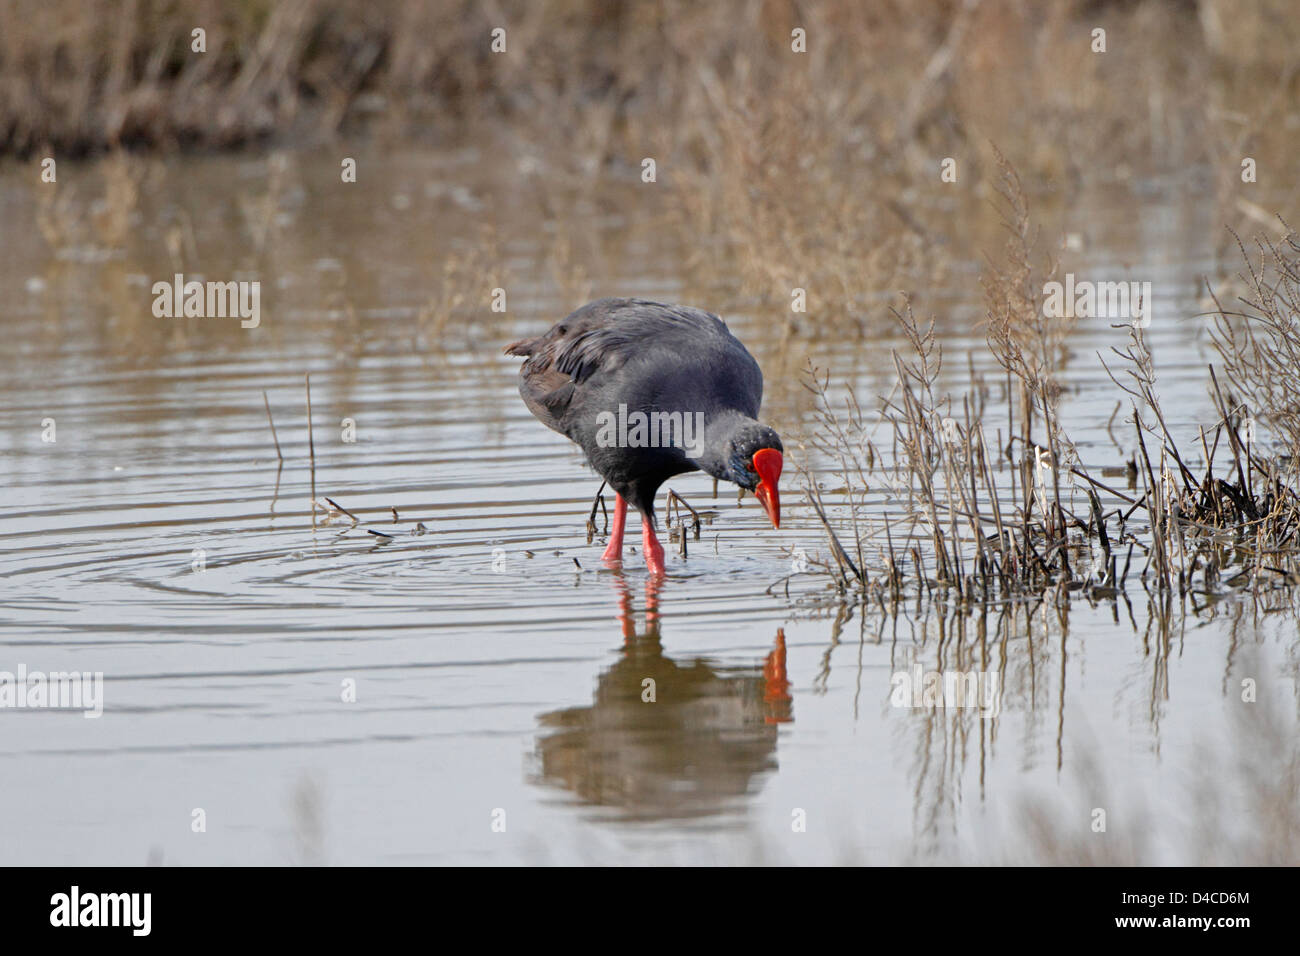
<point x="667" y="738"/>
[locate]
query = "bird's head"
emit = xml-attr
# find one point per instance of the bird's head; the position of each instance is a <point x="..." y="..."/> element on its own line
<point x="754" y="463"/>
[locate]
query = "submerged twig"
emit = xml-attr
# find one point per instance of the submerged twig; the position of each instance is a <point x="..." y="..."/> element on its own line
<point x="267" y="402"/>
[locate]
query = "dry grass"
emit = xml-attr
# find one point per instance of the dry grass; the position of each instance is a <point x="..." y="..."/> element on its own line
<point x="891" y="86"/>
<point x="1018" y="516"/>
<point x="1258" y="338"/>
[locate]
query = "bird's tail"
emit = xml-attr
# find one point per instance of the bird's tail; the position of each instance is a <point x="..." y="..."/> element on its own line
<point x="524" y="347"/>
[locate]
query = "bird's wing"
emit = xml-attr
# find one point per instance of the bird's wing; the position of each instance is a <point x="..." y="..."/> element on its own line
<point x="597" y="341"/>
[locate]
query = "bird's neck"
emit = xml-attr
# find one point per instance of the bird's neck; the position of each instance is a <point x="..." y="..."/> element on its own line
<point x="718" y="434"/>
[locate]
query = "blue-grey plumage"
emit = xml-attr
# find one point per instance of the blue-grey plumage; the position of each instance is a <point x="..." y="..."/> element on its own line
<point x="614" y="358"/>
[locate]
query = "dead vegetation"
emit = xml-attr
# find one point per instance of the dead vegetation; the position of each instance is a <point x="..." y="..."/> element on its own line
<point x="992" y="515"/>
<point x="890" y="87"/>
<point x="1258" y="337"/>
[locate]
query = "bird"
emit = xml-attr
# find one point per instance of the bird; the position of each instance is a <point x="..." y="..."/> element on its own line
<point x="617" y="375"/>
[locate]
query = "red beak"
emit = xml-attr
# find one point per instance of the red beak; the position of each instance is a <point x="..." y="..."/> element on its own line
<point x="768" y="462"/>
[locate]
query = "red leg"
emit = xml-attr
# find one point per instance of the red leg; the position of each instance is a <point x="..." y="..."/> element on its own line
<point x="776" y="684"/>
<point x="614" y="550"/>
<point x="625" y="614"/>
<point x="651" y="548"/>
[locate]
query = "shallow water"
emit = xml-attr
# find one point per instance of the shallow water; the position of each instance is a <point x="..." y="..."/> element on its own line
<point x="497" y="665"/>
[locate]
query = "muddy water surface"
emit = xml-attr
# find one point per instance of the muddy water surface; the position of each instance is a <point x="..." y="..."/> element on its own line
<point x="499" y="671"/>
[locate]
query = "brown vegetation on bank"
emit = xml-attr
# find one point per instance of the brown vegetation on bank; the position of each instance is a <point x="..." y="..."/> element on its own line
<point x="781" y="169"/>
